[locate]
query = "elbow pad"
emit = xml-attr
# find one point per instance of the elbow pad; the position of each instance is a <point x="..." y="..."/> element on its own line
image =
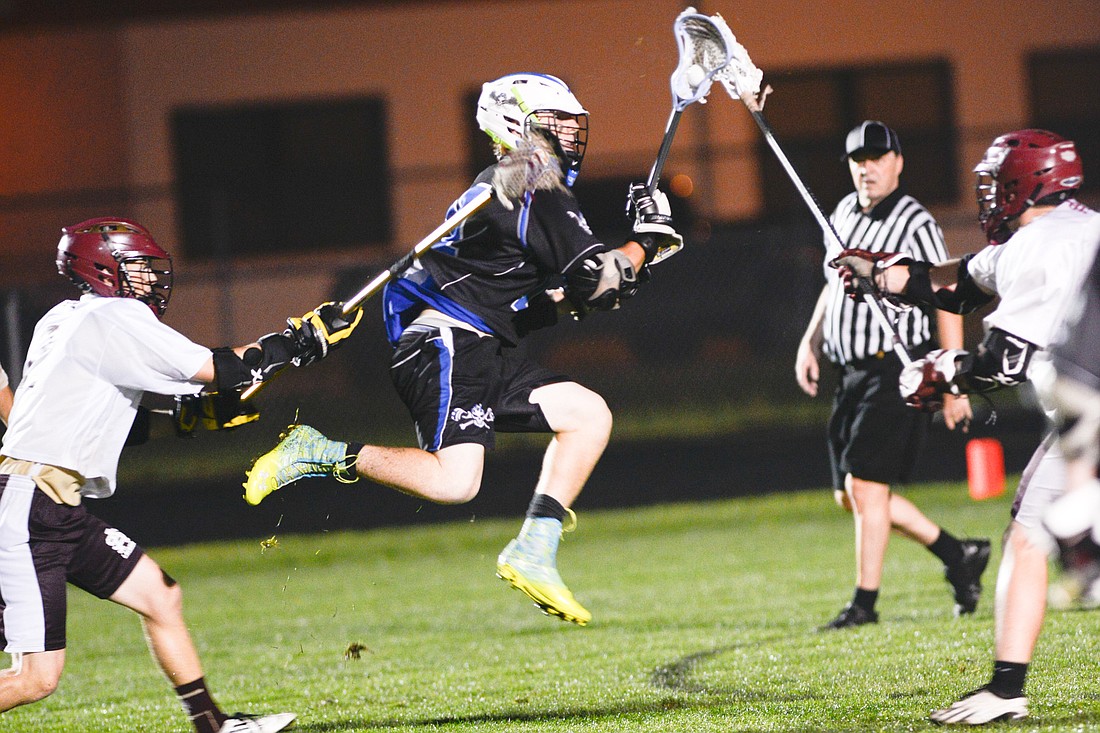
<point x="965" y="298"/>
<point x="1002" y="360"/>
<point x="232" y="372"/>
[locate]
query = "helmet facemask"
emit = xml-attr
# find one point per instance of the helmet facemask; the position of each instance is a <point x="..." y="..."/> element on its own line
<point x="148" y="279"/>
<point x="988" y="192"/>
<point x="568" y="133"/>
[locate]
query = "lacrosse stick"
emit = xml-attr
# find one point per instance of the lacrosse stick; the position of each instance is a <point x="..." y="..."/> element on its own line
<point x="742" y="80"/>
<point x="705" y="49"/>
<point x="531" y="166"/>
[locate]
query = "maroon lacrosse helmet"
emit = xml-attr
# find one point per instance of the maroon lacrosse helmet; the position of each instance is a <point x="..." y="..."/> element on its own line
<point x="1020" y="169"/>
<point x="116" y="258"/>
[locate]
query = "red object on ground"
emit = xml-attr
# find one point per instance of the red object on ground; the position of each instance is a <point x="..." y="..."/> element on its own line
<point x="985" y="468"/>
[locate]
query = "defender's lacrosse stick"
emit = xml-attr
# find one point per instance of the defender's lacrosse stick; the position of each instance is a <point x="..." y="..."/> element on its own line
<point x="742" y="80"/>
<point x="531" y="166"/>
<point x="705" y="48"/>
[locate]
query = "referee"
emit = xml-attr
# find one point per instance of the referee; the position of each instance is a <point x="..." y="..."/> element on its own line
<point x="874" y="438"/>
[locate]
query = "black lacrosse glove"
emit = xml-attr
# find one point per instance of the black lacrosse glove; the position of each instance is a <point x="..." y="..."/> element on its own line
<point x="653" y="227"/>
<point x="320" y="330"/>
<point x="211" y="410"/>
<point x="600" y="282"/>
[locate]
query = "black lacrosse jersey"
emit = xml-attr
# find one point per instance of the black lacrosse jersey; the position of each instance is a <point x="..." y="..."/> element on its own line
<point x="493" y="270"/>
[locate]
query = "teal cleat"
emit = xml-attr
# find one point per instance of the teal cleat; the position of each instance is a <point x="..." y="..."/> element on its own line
<point x="529" y="564"/>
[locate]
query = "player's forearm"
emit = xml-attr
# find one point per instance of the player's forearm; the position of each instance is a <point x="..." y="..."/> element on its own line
<point x="950" y="328"/>
<point x="947" y="286"/>
<point x="814" y="334"/>
<point x="895" y="279"/>
<point x="635" y="253"/>
<point x="6" y="399"/>
<point x="206" y="372"/>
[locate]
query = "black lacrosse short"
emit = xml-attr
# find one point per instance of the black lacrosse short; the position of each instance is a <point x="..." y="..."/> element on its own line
<point x="461" y="387"/>
<point x="873" y="434"/>
<point x="43" y="545"/>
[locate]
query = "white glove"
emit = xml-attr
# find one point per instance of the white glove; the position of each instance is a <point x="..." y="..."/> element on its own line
<point x="653" y="221"/>
<point x="924" y="381"/>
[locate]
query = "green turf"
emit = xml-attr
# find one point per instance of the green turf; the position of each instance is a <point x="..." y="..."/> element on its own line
<point x="704" y="620"/>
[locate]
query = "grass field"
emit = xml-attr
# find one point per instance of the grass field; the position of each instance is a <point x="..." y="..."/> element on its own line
<point x="705" y="617"/>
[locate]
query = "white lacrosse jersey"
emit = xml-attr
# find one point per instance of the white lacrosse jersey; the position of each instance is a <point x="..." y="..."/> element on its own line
<point x="1036" y="273"/>
<point x="88" y="365"/>
<point x="1037" y="270"/>
<point x="3" y="378"/>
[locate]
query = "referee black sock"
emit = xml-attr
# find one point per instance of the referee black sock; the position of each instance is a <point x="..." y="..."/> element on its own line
<point x="200" y="707"/>
<point x="865" y="599"/>
<point x="1008" y="679"/>
<point x="947" y="548"/>
<point x="543" y="505"/>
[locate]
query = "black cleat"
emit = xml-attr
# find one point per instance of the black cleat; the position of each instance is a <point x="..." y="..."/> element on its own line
<point x="851" y="615"/>
<point x="966" y="575"/>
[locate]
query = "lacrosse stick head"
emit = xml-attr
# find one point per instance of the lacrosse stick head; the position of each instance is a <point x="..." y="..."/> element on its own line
<point x="705" y="43"/>
<point x="511" y="107"/>
<point x="739" y="75"/>
<point x="531" y="165"/>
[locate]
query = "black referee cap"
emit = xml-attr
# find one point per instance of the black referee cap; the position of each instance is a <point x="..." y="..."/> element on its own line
<point x="871" y="138"/>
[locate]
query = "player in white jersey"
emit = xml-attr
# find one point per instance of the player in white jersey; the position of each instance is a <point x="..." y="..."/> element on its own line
<point x="1074" y="519"/>
<point x="6" y="396"/>
<point x="88" y="365"/>
<point x="1042" y="242"/>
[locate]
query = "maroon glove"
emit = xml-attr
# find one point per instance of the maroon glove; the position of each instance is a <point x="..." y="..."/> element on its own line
<point x="923" y="383"/>
<point x="856" y="265"/>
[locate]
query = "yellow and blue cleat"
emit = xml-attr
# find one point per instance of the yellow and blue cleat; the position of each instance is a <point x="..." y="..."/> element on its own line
<point x="302" y="452"/>
<point x="528" y="564"/>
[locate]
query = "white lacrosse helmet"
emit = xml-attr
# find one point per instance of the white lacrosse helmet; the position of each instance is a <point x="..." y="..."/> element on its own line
<point x="509" y="106"/>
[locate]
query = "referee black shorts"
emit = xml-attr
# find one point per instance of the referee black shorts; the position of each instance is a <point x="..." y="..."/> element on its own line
<point x="461" y="387"/>
<point x="873" y="434"/>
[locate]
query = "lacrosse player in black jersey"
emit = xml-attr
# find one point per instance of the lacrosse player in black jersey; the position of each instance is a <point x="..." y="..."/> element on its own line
<point x="455" y="318"/>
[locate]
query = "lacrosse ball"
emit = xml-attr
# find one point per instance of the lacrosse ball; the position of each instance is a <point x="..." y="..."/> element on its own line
<point x="695" y="75"/>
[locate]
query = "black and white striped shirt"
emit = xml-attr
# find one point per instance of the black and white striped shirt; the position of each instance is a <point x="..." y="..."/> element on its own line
<point x="899" y="223"/>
